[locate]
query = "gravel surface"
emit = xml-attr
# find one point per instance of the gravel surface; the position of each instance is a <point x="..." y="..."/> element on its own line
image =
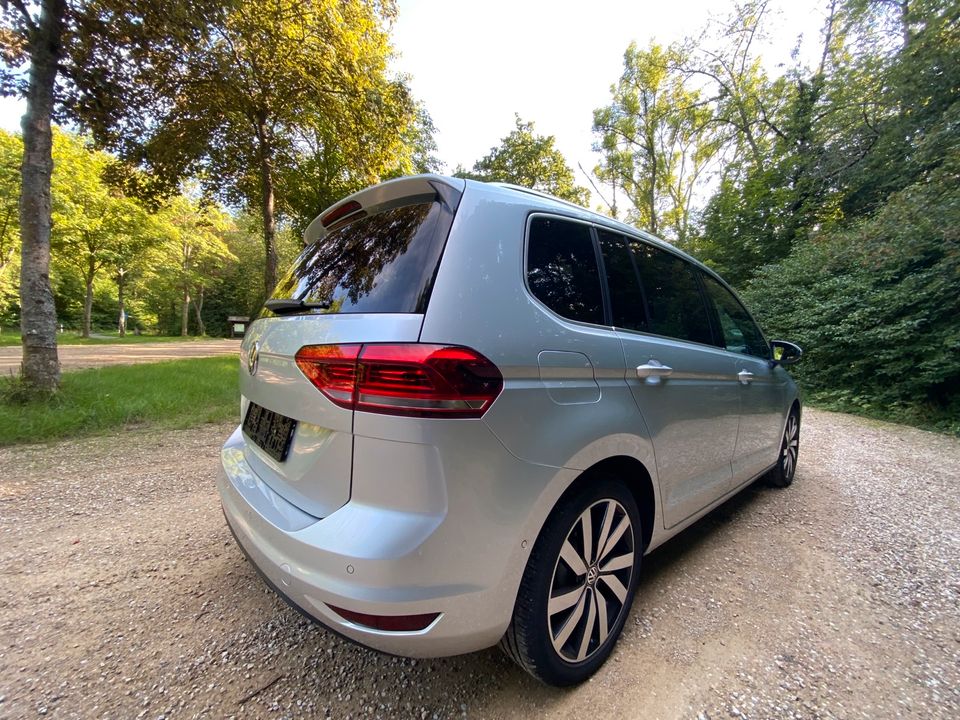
<point x="122" y="595"/>
<point x="74" y="357"/>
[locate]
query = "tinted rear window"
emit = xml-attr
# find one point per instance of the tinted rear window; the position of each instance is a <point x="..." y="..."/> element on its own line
<point x="384" y="263"/>
<point x="626" y="297"/>
<point x="676" y="305"/>
<point x="562" y="269"/>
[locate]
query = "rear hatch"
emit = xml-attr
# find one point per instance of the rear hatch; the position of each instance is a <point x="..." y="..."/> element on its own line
<point x="365" y="276"/>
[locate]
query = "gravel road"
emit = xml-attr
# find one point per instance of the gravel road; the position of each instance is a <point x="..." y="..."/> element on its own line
<point x="122" y="595"/>
<point x="74" y="357"/>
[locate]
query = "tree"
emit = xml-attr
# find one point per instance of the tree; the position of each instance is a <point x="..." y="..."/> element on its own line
<point x="94" y="224"/>
<point x="11" y="152"/>
<point x="530" y="160"/>
<point x="657" y="139"/>
<point x="192" y="252"/>
<point x="39" y="38"/>
<point x="51" y="37"/>
<point x="252" y="87"/>
<point x="780" y="178"/>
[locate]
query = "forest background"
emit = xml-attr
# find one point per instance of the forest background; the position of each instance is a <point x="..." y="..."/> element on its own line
<point x="196" y="140"/>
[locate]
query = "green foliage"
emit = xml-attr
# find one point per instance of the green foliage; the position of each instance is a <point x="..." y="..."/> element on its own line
<point x="530" y="160"/>
<point x="875" y="304"/>
<point x="11" y="150"/>
<point x="95" y="226"/>
<point x="657" y="139"/>
<point x="175" y="394"/>
<point x="279" y="108"/>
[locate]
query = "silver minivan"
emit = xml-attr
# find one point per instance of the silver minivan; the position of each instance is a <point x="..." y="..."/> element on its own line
<point x="470" y="409"/>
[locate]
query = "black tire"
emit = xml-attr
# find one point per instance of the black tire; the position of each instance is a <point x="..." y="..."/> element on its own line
<point x="532" y="638"/>
<point x="781" y="475"/>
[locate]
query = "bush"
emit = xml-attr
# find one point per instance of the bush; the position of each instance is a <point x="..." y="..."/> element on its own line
<point x="876" y="306"/>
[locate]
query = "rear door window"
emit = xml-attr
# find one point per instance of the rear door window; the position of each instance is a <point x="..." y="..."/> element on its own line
<point x="626" y="297"/>
<point x="382" y="263"/>
<point x="562" y="269"/>
<point x="673" y="295"/>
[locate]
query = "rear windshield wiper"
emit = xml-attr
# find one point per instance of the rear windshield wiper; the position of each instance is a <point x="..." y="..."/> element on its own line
<point x="281" y="306"/>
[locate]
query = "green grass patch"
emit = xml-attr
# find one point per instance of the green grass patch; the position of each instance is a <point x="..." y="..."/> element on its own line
<point x="10" y="338"/>
<point x="174" y="394"/>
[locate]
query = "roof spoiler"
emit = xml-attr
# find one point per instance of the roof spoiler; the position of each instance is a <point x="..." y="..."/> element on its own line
<point x="446" y="190"/>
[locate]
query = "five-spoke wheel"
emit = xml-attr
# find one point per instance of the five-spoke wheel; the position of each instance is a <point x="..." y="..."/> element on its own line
<point x="590" y="580"/>
<point x="578" y="584"/>
<point x="782" y="473"/>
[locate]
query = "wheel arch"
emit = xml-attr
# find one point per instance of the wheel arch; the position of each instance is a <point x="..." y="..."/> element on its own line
<point x="634" y="475"/>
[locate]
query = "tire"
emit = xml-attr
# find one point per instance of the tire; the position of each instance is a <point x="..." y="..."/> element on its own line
<point x="556" y="648"/>
<point x="781" y="475"/>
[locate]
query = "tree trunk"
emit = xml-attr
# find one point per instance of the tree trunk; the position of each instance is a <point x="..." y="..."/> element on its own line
<point x="269" y="221"/>
<point x="87" y="306"/>
<point x="122" y="317"/>
<point x="185" y="312"/>
<point x="40" y="367"/>
<point x="198" y="310"/>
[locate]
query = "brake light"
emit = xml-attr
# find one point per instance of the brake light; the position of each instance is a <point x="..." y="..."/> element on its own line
<point x="413" y="379"/>
<point x="338" y="213"/>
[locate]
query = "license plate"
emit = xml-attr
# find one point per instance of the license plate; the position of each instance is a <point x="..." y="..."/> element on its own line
<point x="271" y="431"/>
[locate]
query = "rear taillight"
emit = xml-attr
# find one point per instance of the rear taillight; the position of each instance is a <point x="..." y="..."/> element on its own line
<point x="411" y="379"/>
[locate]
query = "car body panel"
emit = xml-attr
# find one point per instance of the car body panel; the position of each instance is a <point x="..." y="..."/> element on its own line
<point x="316" y="475"/>
<point x="692" y="416"/>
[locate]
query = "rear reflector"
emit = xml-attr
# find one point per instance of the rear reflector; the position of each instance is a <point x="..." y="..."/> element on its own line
<point x="390" y="623"/>
<point x="412" y="379"/>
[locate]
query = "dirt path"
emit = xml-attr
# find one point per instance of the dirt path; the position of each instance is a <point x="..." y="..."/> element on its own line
<point x="74" y="357"/>
<point x="122" y="595"/>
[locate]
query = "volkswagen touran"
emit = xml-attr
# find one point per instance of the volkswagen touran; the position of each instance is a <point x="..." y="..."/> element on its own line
<point x="470" y="409"/>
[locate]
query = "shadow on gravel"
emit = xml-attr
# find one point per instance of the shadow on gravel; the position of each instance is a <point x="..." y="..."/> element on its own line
<point x="665" y="558"/>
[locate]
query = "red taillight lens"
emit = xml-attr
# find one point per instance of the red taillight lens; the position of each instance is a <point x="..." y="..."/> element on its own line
<point x="331" y="368"/>
<point x="412" y="379"/>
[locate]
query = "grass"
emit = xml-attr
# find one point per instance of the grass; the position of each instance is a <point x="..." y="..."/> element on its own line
<point x="10" y="338"/>
<point x="174" y="394"/>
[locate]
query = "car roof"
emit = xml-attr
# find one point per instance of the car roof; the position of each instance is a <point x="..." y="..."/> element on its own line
<point x="550" y="203"/>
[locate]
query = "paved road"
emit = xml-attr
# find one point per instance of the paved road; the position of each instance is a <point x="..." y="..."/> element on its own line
<point x="74" y="357"/>
<point x="123" y="595"/>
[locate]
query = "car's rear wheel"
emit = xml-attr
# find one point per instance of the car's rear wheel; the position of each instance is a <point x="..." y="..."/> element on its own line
<point x="781" y="475"/>
<point x="578" y="585"/>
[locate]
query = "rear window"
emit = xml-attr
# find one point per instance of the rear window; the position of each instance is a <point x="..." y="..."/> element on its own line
<point x="562" y="269"/>
<point x="676" y="305"/>
<point x="626" y="297"/>
<point x="383" y="263"/>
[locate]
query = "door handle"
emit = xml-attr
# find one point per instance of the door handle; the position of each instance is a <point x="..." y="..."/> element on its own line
<point x="745" y="377"/>
<point x="652" y="371"/>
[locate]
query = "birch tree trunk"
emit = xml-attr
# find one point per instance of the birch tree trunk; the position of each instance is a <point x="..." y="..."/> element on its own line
<point x="185" y="312"/>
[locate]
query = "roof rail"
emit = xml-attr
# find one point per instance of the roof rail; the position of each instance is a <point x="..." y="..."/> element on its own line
<point x="538" y="193"/>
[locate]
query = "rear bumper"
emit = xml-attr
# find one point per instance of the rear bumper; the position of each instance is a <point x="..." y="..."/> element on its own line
<point x="377" y="561"/>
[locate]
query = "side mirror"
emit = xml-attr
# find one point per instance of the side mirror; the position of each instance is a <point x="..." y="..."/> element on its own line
<point x="785" y="353"/>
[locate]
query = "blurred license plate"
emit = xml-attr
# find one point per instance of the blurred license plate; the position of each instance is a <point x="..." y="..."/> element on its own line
<point x="269" y="430"/>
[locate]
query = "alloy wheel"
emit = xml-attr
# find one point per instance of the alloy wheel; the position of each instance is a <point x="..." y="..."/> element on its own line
<point x="791" y="446"/>
<point x="591" y="580"/>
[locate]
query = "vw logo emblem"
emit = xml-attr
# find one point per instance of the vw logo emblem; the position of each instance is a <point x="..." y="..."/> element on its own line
<point x="592" y="574"/>
<point x="253" y="359"/>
